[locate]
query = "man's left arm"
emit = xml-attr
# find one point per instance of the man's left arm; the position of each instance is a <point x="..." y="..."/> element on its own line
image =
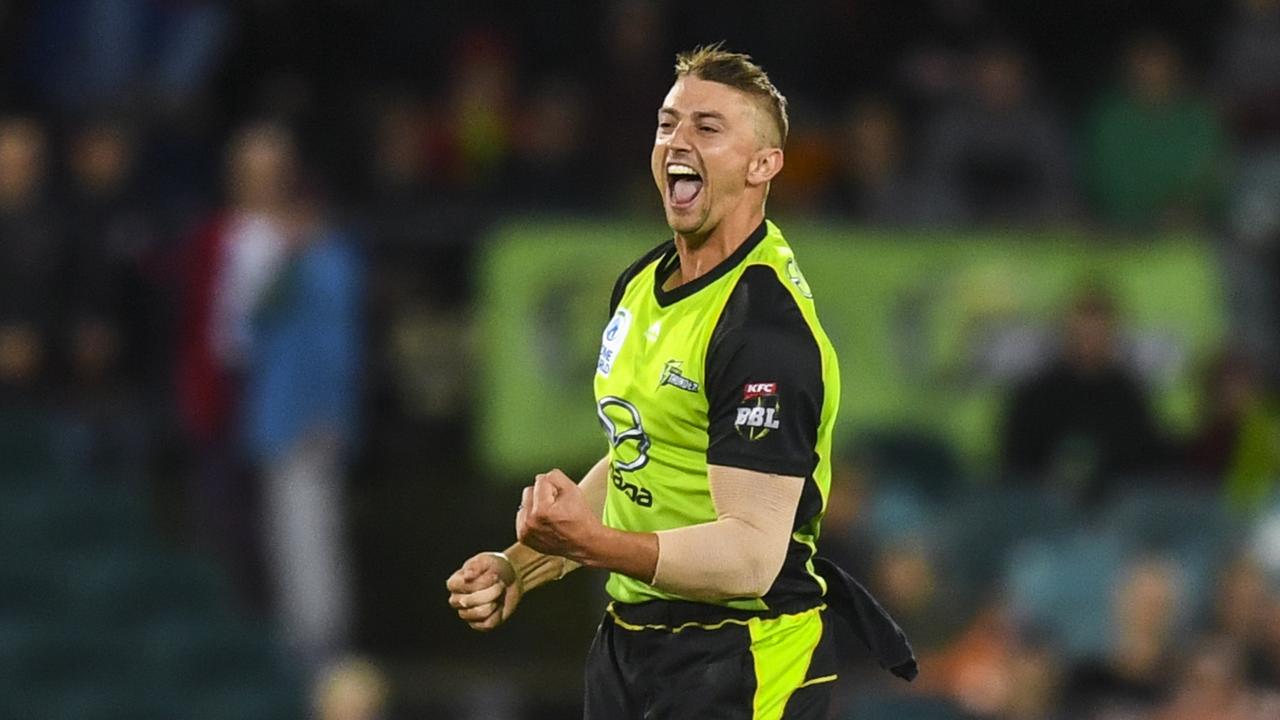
<point x="737" y="555"/>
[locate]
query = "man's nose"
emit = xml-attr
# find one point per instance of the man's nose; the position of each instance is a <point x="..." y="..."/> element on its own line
<point x="680" y="138"/>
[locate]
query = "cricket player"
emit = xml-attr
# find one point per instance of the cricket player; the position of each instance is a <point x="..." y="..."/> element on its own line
<point x="717" y="390"/>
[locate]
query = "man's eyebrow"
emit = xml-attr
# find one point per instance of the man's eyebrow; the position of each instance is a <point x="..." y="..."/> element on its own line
<point x="697" y="114"/>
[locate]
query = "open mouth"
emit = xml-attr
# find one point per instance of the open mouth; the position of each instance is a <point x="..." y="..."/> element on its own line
<point x="684" y="184"/>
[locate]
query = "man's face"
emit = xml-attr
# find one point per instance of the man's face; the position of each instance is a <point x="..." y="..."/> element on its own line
<point x="1091" y="338"/>
<point x="262" y="168"/>
<point x="707" y="139"/>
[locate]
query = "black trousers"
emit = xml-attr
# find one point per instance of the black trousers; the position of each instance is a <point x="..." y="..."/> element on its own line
<point x="780" y="668"/>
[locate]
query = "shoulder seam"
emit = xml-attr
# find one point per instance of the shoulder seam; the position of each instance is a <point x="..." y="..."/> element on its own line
<point x="727" y="324"/>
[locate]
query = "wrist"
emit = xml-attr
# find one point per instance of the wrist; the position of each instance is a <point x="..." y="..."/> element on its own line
<point x="594" y="550"/>
<point x="634" y="554"/>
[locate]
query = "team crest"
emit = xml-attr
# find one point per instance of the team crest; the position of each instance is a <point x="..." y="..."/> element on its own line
<point x="671" y="375"/>
<point x="759" y="412"/>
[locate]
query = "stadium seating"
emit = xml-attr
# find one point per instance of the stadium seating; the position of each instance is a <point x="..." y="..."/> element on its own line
<point x="99" y="620"/>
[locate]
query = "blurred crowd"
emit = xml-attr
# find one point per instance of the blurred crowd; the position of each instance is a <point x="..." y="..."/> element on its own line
<point x="209" y="210"/>
<point x="1109" y="568"/>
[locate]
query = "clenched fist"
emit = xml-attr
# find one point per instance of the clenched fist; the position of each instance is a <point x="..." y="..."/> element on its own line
<point x="554" y="519"/>
<point x="484" y="591"/>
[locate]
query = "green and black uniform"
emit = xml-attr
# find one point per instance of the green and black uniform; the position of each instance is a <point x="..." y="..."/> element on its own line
<point x="730" y="369"/>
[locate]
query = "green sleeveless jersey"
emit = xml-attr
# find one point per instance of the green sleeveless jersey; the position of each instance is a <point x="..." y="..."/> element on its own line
<point x="731" y="369"/>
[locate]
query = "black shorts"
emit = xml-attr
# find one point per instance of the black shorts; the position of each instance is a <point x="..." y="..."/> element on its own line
<point x="737" y="668"/>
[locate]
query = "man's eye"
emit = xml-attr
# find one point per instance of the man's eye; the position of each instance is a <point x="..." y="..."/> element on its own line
<point x="709" y="129"/>
<point x="664" y="125"/>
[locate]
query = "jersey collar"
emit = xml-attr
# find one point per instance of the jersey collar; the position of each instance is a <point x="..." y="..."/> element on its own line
<point x="669" y="262"/>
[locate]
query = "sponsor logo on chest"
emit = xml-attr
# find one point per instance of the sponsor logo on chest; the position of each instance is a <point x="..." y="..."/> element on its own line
<point x="611" y="341"/>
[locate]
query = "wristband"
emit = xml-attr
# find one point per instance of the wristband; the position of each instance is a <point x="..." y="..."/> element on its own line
<point x="514" y="570"/>
<point x="499" y="553"/>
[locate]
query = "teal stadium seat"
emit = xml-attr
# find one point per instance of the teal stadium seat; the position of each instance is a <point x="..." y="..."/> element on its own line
<point x="1062" y="586"/>
<point x="27" y="444"/>
<point x="99" y="621"/>
<point x="59" y="514"/>
<point x="978" y="533"/>
<point x="127" y="587"/>
<point x="1190" y="526"/>
<point x="912" y="460"/>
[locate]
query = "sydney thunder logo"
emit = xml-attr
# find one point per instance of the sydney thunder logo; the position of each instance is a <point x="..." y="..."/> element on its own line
<point x="671" y="375"/>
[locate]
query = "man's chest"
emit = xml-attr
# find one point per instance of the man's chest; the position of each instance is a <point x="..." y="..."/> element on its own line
<point x="650" y="383"/>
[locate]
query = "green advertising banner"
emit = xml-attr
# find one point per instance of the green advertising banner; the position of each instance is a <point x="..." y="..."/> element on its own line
<point x="932" y="329"/>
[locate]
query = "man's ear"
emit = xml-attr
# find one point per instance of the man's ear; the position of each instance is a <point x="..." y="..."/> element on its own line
<point x="765" y="163"/>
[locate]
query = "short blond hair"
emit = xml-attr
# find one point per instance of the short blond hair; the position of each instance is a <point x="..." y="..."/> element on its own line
<point x="737" y="70"/>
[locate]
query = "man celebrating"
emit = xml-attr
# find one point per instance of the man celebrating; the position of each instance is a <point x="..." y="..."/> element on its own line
<point x="717" y="389"/>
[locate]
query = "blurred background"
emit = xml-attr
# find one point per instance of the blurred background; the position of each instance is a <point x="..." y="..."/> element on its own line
<point x="295" y="297"/>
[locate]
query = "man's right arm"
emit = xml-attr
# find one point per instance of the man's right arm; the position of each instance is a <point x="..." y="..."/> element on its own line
<point x="489" y="585"/>
<point x="534" y="568"/>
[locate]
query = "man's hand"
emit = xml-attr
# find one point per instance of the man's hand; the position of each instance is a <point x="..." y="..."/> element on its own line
<point x="554" y="518"/>
<point x="484" y="591"/>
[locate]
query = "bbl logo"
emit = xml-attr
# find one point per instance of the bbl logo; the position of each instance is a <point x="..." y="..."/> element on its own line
<point x="630" y="444"/>
<point x="758" y="413"/>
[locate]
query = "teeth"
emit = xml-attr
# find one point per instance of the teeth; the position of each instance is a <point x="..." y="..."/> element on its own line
<point x="678" y="169"/>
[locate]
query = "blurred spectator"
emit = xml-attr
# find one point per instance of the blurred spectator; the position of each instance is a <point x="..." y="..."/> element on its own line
<point x="1243" y="612"/>
<point x="1084" y="421"/>
<point x="1254" y="479"/>
<point x="354" y="690"/>
<point x="401" y="163"/>
<point x="1248" y="73"/>
<point x="481" y="106"/>
<point x="872" y="183"/>
<point x="1212" y="687"/>
<point x="1000" y="671"/>
<point x="300" y="399"/>
<point x="552" y="166"/>
<point x="405" y="172"/>
<point x="627" y="90"/>
<point x="810" y="167"/>
<point x="112" y="239"/>
<point x="31" y="247"/>
<point x="123" y="54"/>
<point x="269" y="371"/>
<point x="908" y="582"/>
<point x="1155" y="149"/>
<point x="1134" y="675"/>
<point x="1035" y="680"/>
<point x="846" y="527"/>
<point x="111" y="318"/>
<point x="998" y="154"/>
<point x="973" y="669"/>
<point x="1229" y="389"/>
<point x="231" y="260"/>
<point x="1248" y="85"/>
<point x="1251" y="258"/>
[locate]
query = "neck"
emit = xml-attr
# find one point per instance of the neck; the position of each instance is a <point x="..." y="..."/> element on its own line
<point x="700" y="253"/>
